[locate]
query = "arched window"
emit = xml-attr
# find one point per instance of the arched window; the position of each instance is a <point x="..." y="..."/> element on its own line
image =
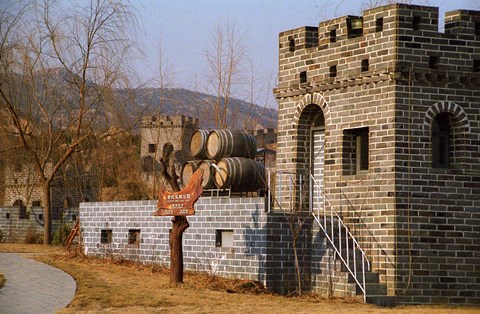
<point x="442" y="147"/>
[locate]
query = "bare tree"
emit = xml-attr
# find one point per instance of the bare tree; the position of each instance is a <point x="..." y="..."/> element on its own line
<point x="59" y="68"/>
<point x="225" y="60"/>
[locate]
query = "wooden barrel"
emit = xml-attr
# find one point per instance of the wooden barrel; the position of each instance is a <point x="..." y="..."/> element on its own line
<point x="188" y="168"/>
<point x="198" y="144"/>
<point x="240" y="174"/>
<point x="208" y="181"/>
<point x="228" y="143"/>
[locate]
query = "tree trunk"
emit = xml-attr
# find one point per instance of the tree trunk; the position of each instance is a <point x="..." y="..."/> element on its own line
<point x="180" y="224"/>
<point x="47" y="214"/>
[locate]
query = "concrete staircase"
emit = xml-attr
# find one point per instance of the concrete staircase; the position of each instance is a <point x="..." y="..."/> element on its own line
<point x="375" y="292"/>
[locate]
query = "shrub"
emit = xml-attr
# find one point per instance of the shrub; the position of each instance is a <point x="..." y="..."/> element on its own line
<point x="60" y="237"/>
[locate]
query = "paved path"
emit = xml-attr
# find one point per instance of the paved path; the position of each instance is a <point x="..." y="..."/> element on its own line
<point x="33" y="287"/>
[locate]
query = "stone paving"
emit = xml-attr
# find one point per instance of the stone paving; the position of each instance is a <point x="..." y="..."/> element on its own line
<point x="33" y="287"/>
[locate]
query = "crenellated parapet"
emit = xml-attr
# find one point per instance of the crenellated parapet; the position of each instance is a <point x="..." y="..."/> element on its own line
<point x="380" y="45"/>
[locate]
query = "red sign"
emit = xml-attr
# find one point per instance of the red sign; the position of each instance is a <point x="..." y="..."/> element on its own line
<point x="180" y="203"/>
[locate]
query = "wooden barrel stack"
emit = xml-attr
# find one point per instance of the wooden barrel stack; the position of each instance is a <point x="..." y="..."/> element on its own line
<point x="227" y="158"/>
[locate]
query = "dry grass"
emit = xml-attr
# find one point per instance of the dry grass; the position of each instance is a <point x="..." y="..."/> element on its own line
<point x="125" y="287"/>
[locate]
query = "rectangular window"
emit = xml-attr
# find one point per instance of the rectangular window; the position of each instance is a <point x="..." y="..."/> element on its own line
<point x="134" y="237"/>
<point x="106" y="236"/>
<point x="365" y="65"/>
<point x="224" y="238"/>
<point x="36" y="203"/>
<point x="303" y="77"/>
<point x="333" y="71"/>
<point x="152" y="148"/>
<point x="379" y="24"/>
<point x="355" y="151"/>
<point x="417" y="20"/>
<point x="7" y="216"/>
<point x="477" y="28"/>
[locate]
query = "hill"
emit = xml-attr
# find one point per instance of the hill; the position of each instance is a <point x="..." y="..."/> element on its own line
<point x="241" y="114"/>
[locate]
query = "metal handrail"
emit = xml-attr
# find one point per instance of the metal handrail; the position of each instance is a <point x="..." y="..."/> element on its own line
<point x="330" y="234"/>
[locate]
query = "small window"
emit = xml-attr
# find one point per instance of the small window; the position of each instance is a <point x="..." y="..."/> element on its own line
<point x="379" y="24"/>
<point x="36" y="203"/>
<point x="417" y="20"/>
<point x="365" y="65"/>
<point x="134" y="237"/>
<point x="7" y="216"/>
<point x="106" y="236"/>
<point x="355" y="151"/>
<point x="154" y="118"/>
<point x="303" y="77"/>
<point x="224" y="238"/>
<point x="40" y="216"/>
<point x="333" y="35"/>
<point x="433" y="62"/>
<point x="476" y="65"/>
<point x="152" y="148"/>
<point x="333" y="71"/>
<point x="18" y="167"/>
<point x="441" y="143"/>
<point x="291" y="44"/>
<point x="477" y="28"/>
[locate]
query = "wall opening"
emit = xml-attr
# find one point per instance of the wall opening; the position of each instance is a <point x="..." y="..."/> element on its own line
<point x="354" y="26"/>
<point x="106" y="236"/>
<point x="291" y="44"/>
<point x="477" y="28"/>
<point x="22" y="209"/>
<point x="303" y="77"/>
<point x="476" y="65"/>
<point x="417" y="20"/>
<point x="365" y="65"/>
<point x="379" y="24"/>
<point x="433" y="62"/>
<point x="441" y="140"/>
<point x="355" y="153"/>
<point x="224" y="238"/>
<point x="333" y="35"/>
<point x="134" y="237"/>
<point x="333" y="71"/>
<point x="152" y="148"/>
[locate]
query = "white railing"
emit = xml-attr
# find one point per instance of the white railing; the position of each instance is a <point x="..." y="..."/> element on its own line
<point x="328" y="227"/>
<point x="342" y="240"/>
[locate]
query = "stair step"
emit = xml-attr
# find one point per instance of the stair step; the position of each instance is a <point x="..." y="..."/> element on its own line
<point x="381" y="300"/>
<point x="374" y="289"/>
<point x="370" y="277"/>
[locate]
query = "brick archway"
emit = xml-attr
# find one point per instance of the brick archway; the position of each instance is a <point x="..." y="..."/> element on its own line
<point x="309" y="99"/>
<point x="461" y="119"/>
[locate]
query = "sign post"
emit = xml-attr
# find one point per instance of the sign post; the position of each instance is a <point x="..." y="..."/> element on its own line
<point x="179" y="205"/>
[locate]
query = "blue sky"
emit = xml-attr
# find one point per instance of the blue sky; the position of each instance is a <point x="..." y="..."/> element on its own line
<point x="185" y="28"/>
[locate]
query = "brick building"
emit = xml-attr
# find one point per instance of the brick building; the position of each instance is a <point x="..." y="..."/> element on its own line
<point x="382" y="111"/>
<point x="22" y="216"/>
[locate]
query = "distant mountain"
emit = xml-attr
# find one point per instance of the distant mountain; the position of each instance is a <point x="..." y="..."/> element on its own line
<point x="240" y="114"/>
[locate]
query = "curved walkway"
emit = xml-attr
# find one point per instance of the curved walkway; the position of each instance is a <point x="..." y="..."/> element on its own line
<point x="33" y="287"/>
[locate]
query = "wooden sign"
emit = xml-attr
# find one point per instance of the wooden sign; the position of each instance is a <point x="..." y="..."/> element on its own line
<point x="180" y="203"/>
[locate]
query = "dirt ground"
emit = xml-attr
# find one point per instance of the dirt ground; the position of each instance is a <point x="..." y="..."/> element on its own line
<point x="113" y="286"/>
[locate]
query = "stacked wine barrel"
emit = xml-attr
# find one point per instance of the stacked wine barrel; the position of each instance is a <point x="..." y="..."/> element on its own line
<point x="227" y="158"/>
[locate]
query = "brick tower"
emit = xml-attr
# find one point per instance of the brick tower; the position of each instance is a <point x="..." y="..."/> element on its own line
<point x="382" y="111"/>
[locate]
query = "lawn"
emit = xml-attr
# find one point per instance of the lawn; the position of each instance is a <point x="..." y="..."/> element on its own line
<point x="125" y="287"/>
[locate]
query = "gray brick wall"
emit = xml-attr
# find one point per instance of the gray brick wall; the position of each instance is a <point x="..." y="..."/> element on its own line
<point x="246" y="217"/>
